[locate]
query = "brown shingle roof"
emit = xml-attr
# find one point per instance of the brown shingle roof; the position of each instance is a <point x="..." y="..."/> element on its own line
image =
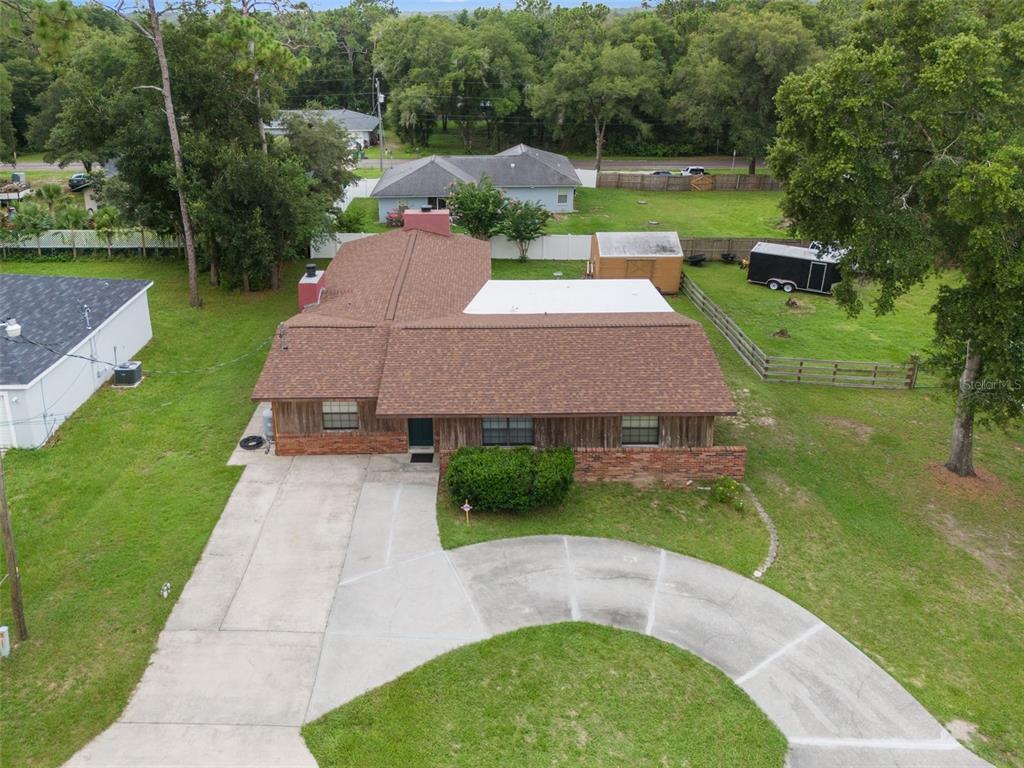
<point x="340" y="363"/>
<point x="390" y="325"/>
<point x="606" y="367"/>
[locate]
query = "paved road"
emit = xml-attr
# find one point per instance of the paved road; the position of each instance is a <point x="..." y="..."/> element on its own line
<point x="325" y="578"/>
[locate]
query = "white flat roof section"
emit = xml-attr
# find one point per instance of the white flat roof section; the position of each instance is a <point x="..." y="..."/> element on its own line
<point x="794" y="252"/>
<point x="645" y="244"/>
<point x="564" y="297"/>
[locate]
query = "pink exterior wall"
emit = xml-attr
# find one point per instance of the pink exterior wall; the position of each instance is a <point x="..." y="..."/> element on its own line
<point x="429" y="221"/>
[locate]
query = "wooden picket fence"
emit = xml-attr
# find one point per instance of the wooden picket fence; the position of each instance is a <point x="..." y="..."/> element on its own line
<point x="795" y="370"/>
<point x="726" y="182"/>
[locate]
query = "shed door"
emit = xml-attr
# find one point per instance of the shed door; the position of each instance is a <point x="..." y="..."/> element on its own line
<point x="640" y="268"/>
<point x="816" y="279"/>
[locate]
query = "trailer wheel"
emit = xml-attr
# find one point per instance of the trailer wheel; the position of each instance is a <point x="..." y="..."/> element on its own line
<point x="787" y="287"/>
<point x="773" y="284"/>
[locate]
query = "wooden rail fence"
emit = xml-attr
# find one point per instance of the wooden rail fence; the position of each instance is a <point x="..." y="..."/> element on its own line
<point x="718" y="182"/>
<point x="796" y="370"/>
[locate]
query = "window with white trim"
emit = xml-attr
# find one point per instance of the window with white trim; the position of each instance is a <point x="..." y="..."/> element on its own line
<point x="339" y="415"/>
<point x="639" y="430"/>
<point x="513" y="430"/>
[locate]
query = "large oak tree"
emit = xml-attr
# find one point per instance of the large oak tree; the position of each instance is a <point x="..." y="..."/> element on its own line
<point x="906" y="147"/>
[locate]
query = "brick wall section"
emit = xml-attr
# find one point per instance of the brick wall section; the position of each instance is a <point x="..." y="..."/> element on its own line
<point x="342" y="442"/>
<point x="671" y="466"/>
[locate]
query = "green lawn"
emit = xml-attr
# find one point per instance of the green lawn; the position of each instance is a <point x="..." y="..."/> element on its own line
<point x="367" y="206"/>
<point x="121" y="502"/>
<point x="684" y="521"/>
<point x="691" y="214"/>
<point x="818" y="327"/>
<point x="567" y="694"/>
<point x="513" y="269"/>
<point x="922" y="570"/>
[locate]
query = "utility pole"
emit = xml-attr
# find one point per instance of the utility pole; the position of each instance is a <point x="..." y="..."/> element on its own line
<point x="380" y="121"/>
<point x="11" y="558"/>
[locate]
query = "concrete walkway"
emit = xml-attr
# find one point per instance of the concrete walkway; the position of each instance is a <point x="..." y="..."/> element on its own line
<point x="325" y="578"/>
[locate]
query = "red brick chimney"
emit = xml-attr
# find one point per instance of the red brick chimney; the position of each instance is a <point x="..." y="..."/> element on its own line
<point x="428" y="220"/>
<point x="309" y="287"/>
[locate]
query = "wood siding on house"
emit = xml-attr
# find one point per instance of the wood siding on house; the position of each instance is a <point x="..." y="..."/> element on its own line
<point x="304" y="417"/>
<point x="580" y="431"/>
<point x="452" y="433"/>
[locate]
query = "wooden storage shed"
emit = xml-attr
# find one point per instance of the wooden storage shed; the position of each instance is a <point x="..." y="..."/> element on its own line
<point x="657" y="256"/>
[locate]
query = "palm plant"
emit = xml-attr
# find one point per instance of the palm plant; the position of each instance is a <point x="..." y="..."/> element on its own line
<point x="72" y="218"/>
<point x="108" y="223"/>
<point x="52" y="196"/>
<point x="33" y="220"/>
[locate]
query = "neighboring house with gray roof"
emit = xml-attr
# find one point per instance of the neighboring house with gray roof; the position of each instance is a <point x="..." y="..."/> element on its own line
<point x="361" y="127"/>
<point x="73" y="331"/>
<point x="521" y="172"/>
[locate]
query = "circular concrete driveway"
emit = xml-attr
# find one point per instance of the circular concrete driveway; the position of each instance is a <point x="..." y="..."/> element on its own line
<point x="834" y="705"/>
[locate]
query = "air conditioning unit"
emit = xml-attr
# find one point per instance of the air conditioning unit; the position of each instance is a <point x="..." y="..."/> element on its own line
<point x="19" y="176"/>
<point x="128" y="374"/>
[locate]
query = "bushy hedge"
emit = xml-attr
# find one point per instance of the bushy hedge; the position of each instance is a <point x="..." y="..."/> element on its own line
<point x="510" y="480"/>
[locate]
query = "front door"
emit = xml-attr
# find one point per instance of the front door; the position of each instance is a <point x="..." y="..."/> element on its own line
<point x="421" y="433"/>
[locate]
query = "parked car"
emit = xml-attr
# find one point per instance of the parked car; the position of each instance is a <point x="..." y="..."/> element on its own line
<point x="79" y="181"/>
<point x="661" y="173"/>
<point x="694" y="170"/>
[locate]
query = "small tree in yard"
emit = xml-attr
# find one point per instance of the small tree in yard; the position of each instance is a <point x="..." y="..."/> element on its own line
<point x="522" y="222"/>
<point x="477" y="208"/>
<point x="108" y="223"/>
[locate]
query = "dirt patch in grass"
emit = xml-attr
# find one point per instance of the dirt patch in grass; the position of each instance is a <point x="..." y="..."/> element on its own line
<point x="859" y="431"/>
<point x="963" y="731"/>
<point x="984" y="485"/>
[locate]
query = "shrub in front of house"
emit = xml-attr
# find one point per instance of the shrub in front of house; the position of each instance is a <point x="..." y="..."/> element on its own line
<point x="554" y="469"/>
<point x="727" y="491"/>
<point x="509" y="480"/>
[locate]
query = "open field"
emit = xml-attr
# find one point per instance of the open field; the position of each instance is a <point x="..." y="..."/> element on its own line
<point x="924" y="571"/>
<point x="691" y="214"/>
<point x="819" y="327"/>
<point x="122" y="501"/>
<point x="567" y="694"/>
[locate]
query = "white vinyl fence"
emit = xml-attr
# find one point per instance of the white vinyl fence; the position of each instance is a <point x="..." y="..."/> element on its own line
<point x="545" y="248"/>
<point x="69" y="239"/>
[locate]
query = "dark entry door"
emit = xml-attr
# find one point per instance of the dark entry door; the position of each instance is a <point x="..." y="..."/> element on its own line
<point x="816" y="280"/>
<point x="421" y="433"/>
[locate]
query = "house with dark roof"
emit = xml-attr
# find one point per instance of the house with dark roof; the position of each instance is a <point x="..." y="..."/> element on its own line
<point x="73" y="331"/>
<point x="362" y="128"/>
<point x="521" y="172"/>
<point x="406" y="345"/>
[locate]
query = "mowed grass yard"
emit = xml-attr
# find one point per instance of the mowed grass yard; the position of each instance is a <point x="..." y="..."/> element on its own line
<point x="122" y="501"/>
<point x="924" y="571"/>
<point x="819" y="327"/>
<point x="567" y="694"/>
<point x="691" y="214"/>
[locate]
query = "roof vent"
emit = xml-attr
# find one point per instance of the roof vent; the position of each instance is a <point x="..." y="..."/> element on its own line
<point x="311" y="270"/>
<point x="426" y="208"/>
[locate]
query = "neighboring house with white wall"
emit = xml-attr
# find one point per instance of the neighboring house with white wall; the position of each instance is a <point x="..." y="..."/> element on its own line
<point x="520" y="172"/>
<point x="73" y="331"/>
<point x="362" y="128"/>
